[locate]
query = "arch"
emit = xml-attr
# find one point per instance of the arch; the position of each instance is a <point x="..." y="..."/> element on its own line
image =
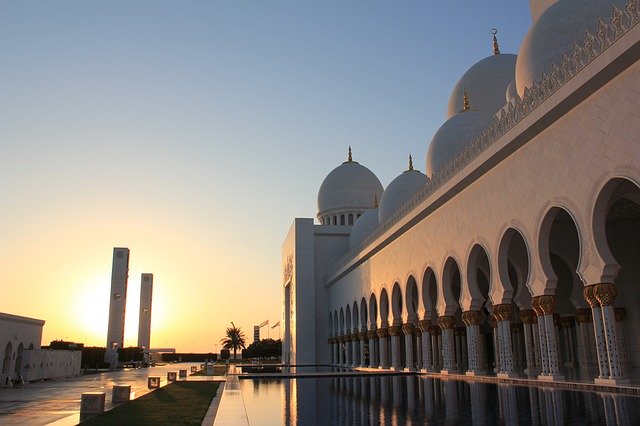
<point x="373" y="312"/>
<point x="396" y="304"/>
<point x="448" y="300"/>
<point x="478" y="277"/>
<point x="6" y="363"/>
<point x="558" y="232"/>
<point x="411" y="294"/>
<point x="514" y="269"/>
<point x="356" y="318"/>
<point x="384" y="308"/>
<point x="331" y="324"/>
<point x="18" y="365"/>
<point x="336" y="330"/>
<point x="341" y="322"/>
<point x="347" y="318"/>
<point x="429" y="294"/>
<point x="363" y="314"/>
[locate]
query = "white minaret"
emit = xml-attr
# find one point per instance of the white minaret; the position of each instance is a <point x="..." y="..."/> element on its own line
<point x="117" y="305"/>
<point x="144" y="322"/>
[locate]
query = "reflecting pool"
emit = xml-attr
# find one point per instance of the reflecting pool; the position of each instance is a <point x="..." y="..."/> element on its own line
<point x="421" y="400"/>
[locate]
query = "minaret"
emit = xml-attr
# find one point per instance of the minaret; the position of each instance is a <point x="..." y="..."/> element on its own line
<point x="118" y="304"/>
<point x="144" y="322"/>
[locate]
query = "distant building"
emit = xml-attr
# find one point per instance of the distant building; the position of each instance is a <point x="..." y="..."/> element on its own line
<point x="516" y="252"/>
<point x="256" y="333"/>
<point x="144" y="322"/>
<point x="117" y="304"/>
<point x="23" y="356"/>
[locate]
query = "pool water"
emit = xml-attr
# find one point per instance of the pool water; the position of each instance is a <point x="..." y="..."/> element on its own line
<point x="426" y="400"/>
<point x="292" y="369"/>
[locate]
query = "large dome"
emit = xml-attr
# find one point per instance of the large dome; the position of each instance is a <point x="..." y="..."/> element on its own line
<point x="349" y="187"/>
<point x="554" y="33"/>
<point x="485" y="83"/>
<point x="363" y="227"/>
<point x="456" y="133"/>
<point x="399" y="191"/>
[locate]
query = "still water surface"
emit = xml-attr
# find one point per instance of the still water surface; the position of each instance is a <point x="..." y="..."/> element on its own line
<point x="424" y="400"/>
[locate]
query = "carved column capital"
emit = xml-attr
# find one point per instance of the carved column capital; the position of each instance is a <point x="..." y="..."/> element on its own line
<point x="423" y="325"/>
<point x="527" y="316"/>
<point x="408" y="328"/>
<point x="544" y="305"/>
<point x="382" y="332"/>
<point x="471" y="317"/>
<point x="590" y="297"/>
<point x="434" y="330"/>
<point x="493" y="320"/>
<point x="362" y="335"/>
<point x="446" y="322"/>
<point x="503" y="311"/>
<point x="567" y="321"/>
<point x="372" y="334"/>
<point x="583" y="315"/>
<point x="395" y="330"/>
<point x="620" y="314"/>
<point x="605" y="293"/>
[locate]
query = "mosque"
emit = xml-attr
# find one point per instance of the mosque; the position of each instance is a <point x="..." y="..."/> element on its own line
<point x="517" y="253"/>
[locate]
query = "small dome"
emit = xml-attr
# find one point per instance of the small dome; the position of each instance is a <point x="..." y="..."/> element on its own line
<point x="399" y="191"/>
<point x="363" y="227"/>
<point x="349" y="187"/>
<point x="554" y="33"/>
<point x="456" y="133"/>
<point x="512" y="92"/>
<point x="485" y="83"/>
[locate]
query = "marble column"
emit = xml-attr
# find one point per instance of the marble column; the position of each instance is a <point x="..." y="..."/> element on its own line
<point x="446" y="323"/>
<point x="496" y="349"/>
<point x="349" y="350"/>
<point x="544" y="307"/>
<point x="383" y="337"/>
<point x="528" y="316"/>
<point x="583" y="356"/>
<point x="334" y="350"/>
<point x="598" y="331"/>
<point x="408" y="330"/>
<point x="474" y="348"/>
<point x="503" y="313"/>
<point x="606" y="294"/>
<point x="362" y="338"/>
<point x="343" y="351"/>
<point x="374" y="358"/>
<point x="395" y="331"/>
<point x="620" y="315"/>
<point x="567" y="324"/>
<point x="434" y="331"/>
<point x="427" y="360"/>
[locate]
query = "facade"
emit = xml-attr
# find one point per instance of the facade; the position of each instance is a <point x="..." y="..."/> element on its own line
<point x="23" y="357"/>
<point x="117" y="304"/>
<point x="144" y="322"/>
<point x="517" y="252"/>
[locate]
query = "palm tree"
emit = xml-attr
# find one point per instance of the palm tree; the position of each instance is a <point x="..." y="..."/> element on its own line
<point x="234" y="340"/>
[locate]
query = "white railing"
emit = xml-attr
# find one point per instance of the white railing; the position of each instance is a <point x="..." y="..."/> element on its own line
<point x="622" y="20"/>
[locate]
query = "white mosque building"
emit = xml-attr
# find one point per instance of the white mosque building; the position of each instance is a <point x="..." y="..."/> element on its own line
<point x="518" y="252"/>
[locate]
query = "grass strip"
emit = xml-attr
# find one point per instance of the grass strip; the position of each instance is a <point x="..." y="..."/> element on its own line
<point x="176" y="403"/>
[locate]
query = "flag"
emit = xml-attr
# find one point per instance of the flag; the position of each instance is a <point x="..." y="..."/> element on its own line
<point x="275" y="325"/>
<point x="264" y="323"/>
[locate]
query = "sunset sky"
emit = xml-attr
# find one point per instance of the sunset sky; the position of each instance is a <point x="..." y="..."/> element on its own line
<point x="193" y="132"/>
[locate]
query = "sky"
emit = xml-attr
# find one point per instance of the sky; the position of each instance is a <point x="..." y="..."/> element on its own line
<point x="193" y="132"/>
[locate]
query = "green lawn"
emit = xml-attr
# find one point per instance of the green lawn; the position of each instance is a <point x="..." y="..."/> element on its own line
<point x="176" y="403"/>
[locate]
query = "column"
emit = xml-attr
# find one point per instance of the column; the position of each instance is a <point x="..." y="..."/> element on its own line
<point x="544" y="306"/>
<point x="434" y="331"/>
<point x="446" y="323"/>
<point x="427" y="360"/>
<point x="496" y="340"/>
<point x="527" y="316"/>
<point x="503" y="314"/>
<point x="349" y="350"/>
<point x="374" y="359"/>
<point x="474" y="350"/>
<point x="362" y="338"/>
<point x="383" y="336"/>
<point x="394" y="332"/>
<point x="408" y="329"/>
<point x="606" y="294"/>
<point x="567" y="326"/>
<point x="355" y="349"/>
<point x="342" y="350"/>
<point x="620" y="315"/>
<point x="334" y="350"/>
<point x="598" y="330"/>
<point x="583" y="317"/>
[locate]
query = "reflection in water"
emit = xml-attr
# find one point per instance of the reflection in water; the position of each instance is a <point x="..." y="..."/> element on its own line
<point x="399" y="400"/>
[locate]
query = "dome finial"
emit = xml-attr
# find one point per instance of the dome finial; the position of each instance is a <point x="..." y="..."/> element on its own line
<point x="465" y="101"/>
<point x="375" y="201"/>
<point x="496" y="48"/>
<point x="410" y="162"/>
<point x="349" y="157"/>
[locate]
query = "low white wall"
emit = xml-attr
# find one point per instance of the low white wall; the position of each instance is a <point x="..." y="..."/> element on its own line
<point x="41" y="364"/>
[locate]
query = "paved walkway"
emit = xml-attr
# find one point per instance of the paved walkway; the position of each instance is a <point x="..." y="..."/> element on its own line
<point x="231" y="409"/>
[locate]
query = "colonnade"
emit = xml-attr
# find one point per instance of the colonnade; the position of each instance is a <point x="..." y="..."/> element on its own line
<point x="542" y="344"/>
